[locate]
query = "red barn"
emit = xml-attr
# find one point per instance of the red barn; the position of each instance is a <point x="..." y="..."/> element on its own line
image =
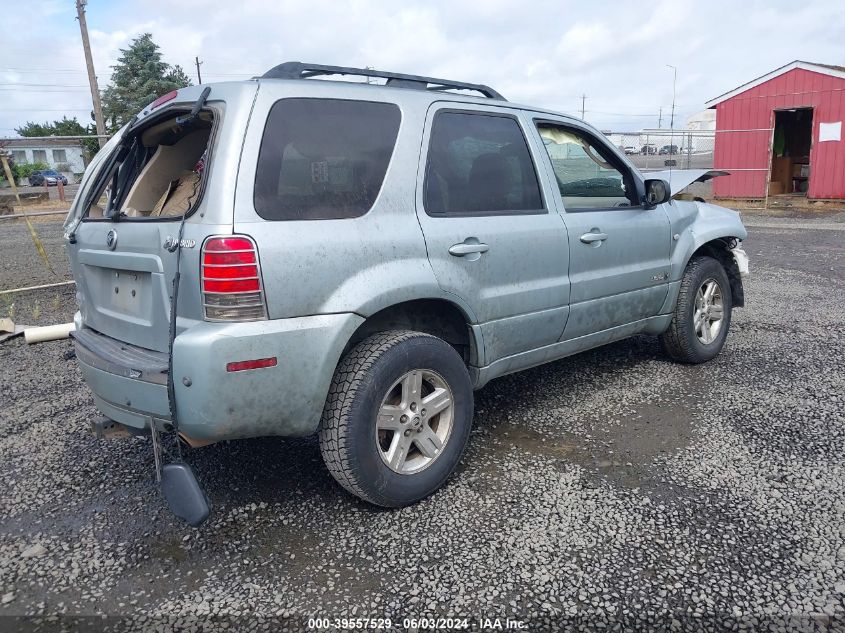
<point x="782" y="134"/>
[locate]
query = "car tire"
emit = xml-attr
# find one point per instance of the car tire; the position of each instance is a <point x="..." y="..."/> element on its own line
<point x="702" y="314"/>
<point x="377" y="408"/>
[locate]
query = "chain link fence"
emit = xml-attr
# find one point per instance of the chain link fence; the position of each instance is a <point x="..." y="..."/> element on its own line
<point x="655" y="150"/>
<point x="658" y="149"/>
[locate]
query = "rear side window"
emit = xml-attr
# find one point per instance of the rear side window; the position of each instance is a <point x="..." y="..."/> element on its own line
<point x="479" y="164"/>
<point x="323" y="159"/>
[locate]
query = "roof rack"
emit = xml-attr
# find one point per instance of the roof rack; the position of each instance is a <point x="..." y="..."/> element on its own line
<point x="300" y="70"/>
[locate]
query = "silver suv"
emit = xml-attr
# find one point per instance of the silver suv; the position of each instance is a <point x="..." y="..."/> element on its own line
<point x="290" y="256"/>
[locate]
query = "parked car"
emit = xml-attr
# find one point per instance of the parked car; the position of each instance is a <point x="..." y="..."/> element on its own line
<point x="629" y="149"/>
<point x="648" y="149"/>
<point x="669" y="149"/>
<point x="49" y="177"/>
<point x="318" y="273"/>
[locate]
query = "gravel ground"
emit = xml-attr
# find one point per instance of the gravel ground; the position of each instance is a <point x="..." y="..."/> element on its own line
<point x="613" y="488"/>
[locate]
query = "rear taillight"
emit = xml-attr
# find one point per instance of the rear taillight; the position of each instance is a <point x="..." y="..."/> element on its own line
<point x="231" y="280"/>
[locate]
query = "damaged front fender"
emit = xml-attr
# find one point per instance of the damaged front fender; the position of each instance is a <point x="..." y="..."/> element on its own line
<point x="703" y="228"/>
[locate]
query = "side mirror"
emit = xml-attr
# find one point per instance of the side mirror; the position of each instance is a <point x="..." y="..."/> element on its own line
<point x="656" y="192"/>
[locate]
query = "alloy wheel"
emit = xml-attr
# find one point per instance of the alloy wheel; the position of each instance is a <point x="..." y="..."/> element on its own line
<point x="414" y="421"/>
<point x="709" y="311"/>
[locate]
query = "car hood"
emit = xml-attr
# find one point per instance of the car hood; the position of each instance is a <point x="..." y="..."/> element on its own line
<point x="680" y="179"/>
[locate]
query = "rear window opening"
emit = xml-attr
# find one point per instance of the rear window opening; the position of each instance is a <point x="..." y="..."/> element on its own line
<point x="157" y="172"/>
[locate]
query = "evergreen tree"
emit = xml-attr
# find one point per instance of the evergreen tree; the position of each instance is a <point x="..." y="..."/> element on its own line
<point x="139" y="77"/>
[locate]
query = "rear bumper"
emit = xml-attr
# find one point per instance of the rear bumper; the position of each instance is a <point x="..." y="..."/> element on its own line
<point x="213" y="404"/>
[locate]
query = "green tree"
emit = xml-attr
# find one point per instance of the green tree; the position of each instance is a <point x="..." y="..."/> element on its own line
<point x="63" y="127"/>
<point x="139" y="77"/>
<point x="36" y="129"/>
<point x="24" y="171"/>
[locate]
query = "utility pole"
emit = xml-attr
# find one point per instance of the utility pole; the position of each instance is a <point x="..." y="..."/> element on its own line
<point x="674" y="84"/>
<point x="92" y="78"/>
<point x="199" y="63"/>
<point x="660" y="118"/>
<point x="583" y="99"/>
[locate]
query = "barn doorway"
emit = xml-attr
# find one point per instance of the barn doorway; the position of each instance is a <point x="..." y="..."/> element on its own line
<point x="791" y="141"/>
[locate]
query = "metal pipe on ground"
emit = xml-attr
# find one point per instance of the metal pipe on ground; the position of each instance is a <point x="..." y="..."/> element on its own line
<point x="42" y="286"/>
<point x="23" y="215"/>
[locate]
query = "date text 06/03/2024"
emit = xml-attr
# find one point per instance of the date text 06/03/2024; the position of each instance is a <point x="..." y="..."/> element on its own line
<point x="480" y="623"/>
<point x="420" y="624"/>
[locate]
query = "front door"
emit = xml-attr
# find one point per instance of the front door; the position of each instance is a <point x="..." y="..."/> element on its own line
<point x="492" y="238"/>
<point x="619" y="251"/>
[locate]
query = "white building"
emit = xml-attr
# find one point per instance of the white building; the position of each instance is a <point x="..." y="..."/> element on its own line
<point x="67" y="156"/>
<point x="704" y="120"/>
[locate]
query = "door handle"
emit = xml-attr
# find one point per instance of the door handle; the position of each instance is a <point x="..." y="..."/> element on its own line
<point x="468" y="248"/>
<point x="589" y="238"/>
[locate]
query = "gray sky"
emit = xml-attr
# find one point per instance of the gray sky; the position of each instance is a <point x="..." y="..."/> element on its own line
<point x="546" y="53"/>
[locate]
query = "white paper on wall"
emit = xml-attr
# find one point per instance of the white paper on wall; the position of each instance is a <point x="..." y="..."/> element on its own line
<point x="830" y="131"/>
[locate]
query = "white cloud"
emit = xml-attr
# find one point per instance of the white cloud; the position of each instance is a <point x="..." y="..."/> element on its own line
<point x="547" y="52"/>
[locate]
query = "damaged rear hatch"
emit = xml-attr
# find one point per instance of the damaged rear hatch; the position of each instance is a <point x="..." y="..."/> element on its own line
<point x="176" y="161"/>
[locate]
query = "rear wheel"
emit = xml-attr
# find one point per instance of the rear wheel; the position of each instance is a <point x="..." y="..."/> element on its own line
<point x="397" y="418"/>
<point x="702" y="315"/>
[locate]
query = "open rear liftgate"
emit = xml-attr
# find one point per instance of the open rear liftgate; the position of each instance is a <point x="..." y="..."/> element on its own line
<point x="180" y="487"/>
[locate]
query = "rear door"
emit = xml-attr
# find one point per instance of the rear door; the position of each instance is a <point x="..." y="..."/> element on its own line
<point x="492" y="238"/>
<point x="619" y="251"/>
<point x="124" y="278"/>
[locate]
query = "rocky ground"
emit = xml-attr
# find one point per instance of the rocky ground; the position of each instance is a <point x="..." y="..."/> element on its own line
<point x="613" y="488"/>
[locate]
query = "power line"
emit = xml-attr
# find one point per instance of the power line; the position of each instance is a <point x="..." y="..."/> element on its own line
<point x="45" y="109"/>
<point x="24" y="83"/>
<point x="46" y="70"/>
<point x="43" y="90"/>
<point x="619" y="113"/>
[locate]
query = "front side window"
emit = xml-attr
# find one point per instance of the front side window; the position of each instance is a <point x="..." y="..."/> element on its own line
<point x="585" y="171"/>
<point x="479" y="164"/>
<point x="323" y="159"/>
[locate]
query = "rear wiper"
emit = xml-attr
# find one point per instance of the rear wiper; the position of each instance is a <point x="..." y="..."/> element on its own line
<point x="195" y="111"/>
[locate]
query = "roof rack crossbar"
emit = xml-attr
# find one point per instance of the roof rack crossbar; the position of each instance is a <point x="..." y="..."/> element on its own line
<point x="300" y="70"/>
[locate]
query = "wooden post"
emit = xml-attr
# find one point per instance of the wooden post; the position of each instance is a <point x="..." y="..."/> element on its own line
<point x="9" y="177"/>
<point x="61" y="187"/>
<point x="92" y="78"/>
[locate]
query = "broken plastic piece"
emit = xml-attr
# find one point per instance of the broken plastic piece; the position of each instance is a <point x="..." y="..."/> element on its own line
<point x="8" y="329"/>
<point x="741" y="259"/>
<point x="183" y="493"/>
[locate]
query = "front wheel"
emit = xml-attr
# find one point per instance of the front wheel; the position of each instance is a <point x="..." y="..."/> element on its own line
<point x="397" y="417"/>
<point x="702" y="315"/>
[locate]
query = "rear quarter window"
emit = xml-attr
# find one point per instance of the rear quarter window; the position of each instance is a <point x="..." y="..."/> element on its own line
<point x="323" y="159"/>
